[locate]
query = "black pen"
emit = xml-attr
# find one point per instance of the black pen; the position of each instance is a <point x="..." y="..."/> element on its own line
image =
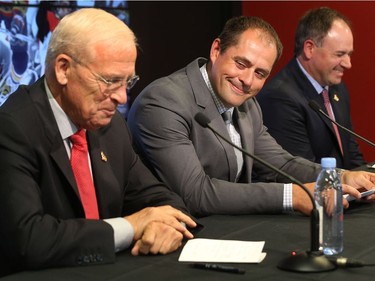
<point x="217" y="267"/>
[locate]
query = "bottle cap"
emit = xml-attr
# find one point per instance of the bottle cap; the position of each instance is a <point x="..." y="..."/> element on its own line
<point x="328" y="162"/>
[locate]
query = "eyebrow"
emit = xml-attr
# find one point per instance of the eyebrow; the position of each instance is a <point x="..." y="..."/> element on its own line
<point x="249" y="63"/>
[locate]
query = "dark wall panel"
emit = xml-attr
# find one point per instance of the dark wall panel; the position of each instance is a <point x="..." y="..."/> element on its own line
<point x="173" y="33"/>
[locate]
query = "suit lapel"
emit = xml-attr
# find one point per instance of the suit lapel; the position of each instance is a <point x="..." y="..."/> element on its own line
<point x="106" y="184"/>
<point x="326" y="121"/>
<point x="335" y="103"/>
<point x="218" y="124"/>
<point x="57" y="148"/>
<point x="247" y="137"/>
<point x="338" y="112"/>
<point x="59" y="155"/>
<point x="310" y="92"/>
<point x="204" y="100"/>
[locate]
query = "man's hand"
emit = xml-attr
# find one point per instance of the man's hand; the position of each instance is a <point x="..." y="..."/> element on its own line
<point x="158" y="238"/>
<point x="301" y="201"/>
<point x="165" y="214"/>
<point x="159" y="229"/>
<point x="359" y="180"/>
<point x="303" y="204"/>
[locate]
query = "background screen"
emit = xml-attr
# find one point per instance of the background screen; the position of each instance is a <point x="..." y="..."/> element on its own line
<point x="25" y="30"/>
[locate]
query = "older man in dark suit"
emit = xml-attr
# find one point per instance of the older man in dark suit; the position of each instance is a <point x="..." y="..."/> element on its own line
<point x="45" y="219"/>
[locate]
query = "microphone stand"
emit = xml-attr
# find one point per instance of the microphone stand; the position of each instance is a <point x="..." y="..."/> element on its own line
<point x="315" y="106"/>
<point x="309" y="261"/>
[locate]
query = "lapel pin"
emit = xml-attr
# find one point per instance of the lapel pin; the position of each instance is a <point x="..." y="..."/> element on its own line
<point x="103" y="156"/>
<point x="336" y="98"/>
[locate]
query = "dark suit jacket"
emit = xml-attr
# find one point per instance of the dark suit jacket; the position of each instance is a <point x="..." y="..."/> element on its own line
<point x="41" y="216"/>
<point x="200" y="166"/>
<point x="298" y="128"/>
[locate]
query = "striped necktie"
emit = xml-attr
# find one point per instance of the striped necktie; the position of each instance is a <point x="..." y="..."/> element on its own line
<point x="328" y="106"/>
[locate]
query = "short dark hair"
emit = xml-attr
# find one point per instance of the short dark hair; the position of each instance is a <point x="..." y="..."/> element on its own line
<point x="315" y="25"/>
<point x="235" y="26"/>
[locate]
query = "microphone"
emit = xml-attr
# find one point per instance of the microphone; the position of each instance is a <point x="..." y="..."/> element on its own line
<point x="310" y="261"/>
<point x="315" y="106"/>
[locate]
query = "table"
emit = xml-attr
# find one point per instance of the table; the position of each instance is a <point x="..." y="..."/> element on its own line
<point x="282" y="234"/>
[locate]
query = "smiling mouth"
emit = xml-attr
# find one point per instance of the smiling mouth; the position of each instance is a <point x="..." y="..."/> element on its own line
<point x="340" y="71"/>
<point x="239" y="90"/>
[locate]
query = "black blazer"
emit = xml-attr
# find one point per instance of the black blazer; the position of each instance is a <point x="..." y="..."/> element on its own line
<point x="298" y="128"/>
<point x="41" y="216"/>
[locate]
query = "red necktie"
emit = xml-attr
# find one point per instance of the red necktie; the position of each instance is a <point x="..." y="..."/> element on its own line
<point x="328" y="106"/>
<point x="81" y="170"/>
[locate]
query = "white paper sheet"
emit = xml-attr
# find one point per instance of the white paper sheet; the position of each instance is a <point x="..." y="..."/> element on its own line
<point x="228" y="251"/>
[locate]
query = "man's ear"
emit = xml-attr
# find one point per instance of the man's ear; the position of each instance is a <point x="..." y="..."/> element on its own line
<point x="215" y="49"/>
<point x="63" y="64"/>
<point x="308" y="48"/>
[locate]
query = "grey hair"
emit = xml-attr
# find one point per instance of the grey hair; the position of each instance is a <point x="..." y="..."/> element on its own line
<point x="77" y="32"/>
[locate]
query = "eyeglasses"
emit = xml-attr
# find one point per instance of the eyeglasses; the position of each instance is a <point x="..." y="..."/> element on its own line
<point x="114" y="84"/>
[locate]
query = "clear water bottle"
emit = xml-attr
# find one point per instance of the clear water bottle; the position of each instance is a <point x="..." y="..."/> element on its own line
<point x="328" y="197"/>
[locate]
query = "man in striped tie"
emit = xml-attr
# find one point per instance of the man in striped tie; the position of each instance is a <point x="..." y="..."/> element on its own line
<point x="322" y="54"/>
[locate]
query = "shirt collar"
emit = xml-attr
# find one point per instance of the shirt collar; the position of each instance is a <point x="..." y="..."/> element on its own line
<point x="318" y="88"/>
<point x="65" y="125"/>
<point x="219" y="104"/>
